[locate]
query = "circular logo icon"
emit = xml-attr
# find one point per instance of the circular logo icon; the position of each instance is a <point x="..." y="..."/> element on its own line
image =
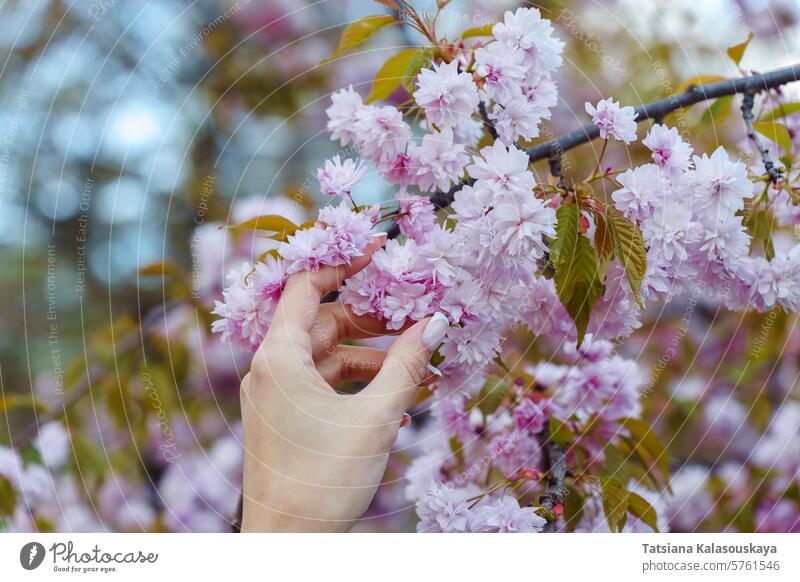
<point x="31" y="555"/>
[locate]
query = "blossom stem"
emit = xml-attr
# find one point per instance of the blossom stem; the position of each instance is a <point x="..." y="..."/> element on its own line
<point x="604" y="175"/>
<point x="596" y="173"/>
<point x="494" y="488"/>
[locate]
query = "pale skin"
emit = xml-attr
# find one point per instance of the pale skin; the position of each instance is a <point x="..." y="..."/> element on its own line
<point x="314" y="457"/>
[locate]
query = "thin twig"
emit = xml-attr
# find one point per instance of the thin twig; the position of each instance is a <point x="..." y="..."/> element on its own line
<point x="749" y="118"/>
<point x="486" y="121"/>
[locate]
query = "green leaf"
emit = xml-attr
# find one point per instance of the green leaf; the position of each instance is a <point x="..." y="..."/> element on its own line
<point x="88" y="459"/>
<point x="641" y="508"/>
<point x="716" y="112"/>
<point x="644" y="438"/>
<point x="736" y="52"/>
<point x="160" y="269"/>
<point x="616" y="461"/>
<point x="12" y="401"/>
<point x="8" y="497"/>
<point x="560" y="432"/>
<point x="485" y="30"/>
<point x="458" y="449"/>
<point x="419" y="61"/>
<point x="30" y="454"/>
<point x="566" y="230"/>
<point x="573" y="507"/>
<point x="280" y="225"/>
<point x="358" y="32"/>
<point x="628" y="248"/>
<point x="759" y="225"/>
<point x="615" y="502"/>
<point x="75" y="371"/>
<point x="776" y="132"/>
<point x="578" y="277"/>
<point x="782" y="110"/>
<point x="603" y="239"/>
<point x="268" y="253"/>
<point x="391" y="75"/>
<point x="492" y="393"/>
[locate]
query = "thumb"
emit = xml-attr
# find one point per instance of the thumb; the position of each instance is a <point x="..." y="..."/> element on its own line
<point x="406" y="363"/>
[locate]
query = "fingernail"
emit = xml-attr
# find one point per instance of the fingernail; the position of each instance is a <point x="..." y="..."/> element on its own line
<point x="406" y="420"/>
<point x="382" y="236"/>
<point x="434" y="370"/>
<point x="435" y="330"/>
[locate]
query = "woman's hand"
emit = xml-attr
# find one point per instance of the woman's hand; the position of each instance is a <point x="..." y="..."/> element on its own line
<point x="313" y="457"/>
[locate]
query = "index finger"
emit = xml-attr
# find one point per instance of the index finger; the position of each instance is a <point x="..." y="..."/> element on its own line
<point x="300" y="300"/>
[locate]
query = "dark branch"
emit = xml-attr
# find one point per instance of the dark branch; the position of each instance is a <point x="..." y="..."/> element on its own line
<point x="486" y="121"/>
<point x="654" y="110"/>
<point x="658" y="109"/>
<point x="555" y="460"/>
<point x="555" y="168"/>
<point x="749" y="118"/>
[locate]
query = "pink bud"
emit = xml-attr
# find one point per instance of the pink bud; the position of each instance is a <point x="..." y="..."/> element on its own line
<point x="525" y="474"/>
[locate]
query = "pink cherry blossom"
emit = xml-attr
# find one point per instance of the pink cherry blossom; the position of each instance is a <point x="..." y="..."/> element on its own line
<point x="613" y="120"/>
<point x="416" y="215"/>
<point x="525" y="30"/>
<point x="444" y="508"/>
<point x="337" y="178"/>
<point x="670" y="152"/>
<point x="439" y="161"/>
<point x="447" y="96"/>
<point x="345" y="104"/>
<point x="502" y="168"/>
<point x="504" y="515"/>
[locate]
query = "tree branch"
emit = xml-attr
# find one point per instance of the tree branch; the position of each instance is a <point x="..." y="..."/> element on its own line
<point x="749" y="118"/>
<point x="487" y="123"/>
<point x="654" y="110"/>
<point x="555" y="460"/>
<point x="84" y="384"/>
<point x="658" y="109"/>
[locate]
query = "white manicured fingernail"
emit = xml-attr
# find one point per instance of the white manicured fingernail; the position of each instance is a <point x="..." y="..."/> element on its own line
<point x="435" y="330"/>
<point x="434" y="370"/>
<point x="380" y="235"/>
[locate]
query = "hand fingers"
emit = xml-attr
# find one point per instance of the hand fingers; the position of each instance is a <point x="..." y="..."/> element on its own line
<point x="300" y="300"/>
<point x="351" y="363"/>
<point x="337" y="322"/>
<point x="406" y="364"/>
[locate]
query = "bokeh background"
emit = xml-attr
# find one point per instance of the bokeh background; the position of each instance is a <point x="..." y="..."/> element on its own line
<point x="132" y="133"/>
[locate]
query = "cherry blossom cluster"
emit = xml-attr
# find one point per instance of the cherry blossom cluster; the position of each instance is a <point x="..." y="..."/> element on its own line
<point x="339" y="235"/>
<point x="468" y="272"/>
<point x="699" y="492"/>
<point x="490" y="250"/>
<point x="483" y="266"/>
<point x="516" y="73"/>
<point x="199" y="489"/>
<point x="510" y="77"/>
<point x="690" y="212"/>
<point x="595" y="387"/>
